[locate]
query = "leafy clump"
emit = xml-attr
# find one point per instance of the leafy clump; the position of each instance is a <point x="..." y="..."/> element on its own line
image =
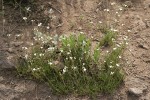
<point x="108" y="39"/>
<point x="72" y="66"/>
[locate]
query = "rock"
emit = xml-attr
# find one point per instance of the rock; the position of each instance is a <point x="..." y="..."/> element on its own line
<point x="138" y="25"/>
<point x="143" y="46"/>
<point x="136" y="91"/>
<point x="148" y="23"/>
<point x="136" y="86"/>
<point x="6" y="64"/>
<point x="1" y="78"/>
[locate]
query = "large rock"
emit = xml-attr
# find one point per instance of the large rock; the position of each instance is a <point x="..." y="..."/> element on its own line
<point x="136" y="91"/>
<point x="136" y="86"/>
<point x="6" y="64"/>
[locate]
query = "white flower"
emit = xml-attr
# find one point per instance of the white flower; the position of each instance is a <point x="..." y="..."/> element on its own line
<point x="35" y="38"/>
<point x="54" y="42"/>
<point x="68" y="45"/>
<point x="113" y="39"/>
<point x="64" y="70"/>
<point x="126" y="43"/>
<point x="100" y="22"/>
<point x="125" y="6"/>
<point x="117" y="65"/>
<point x="50" y="63"/>
<point x="27" y="8"/>
<point x="110" y="66"/>
<point x="120" y="9"/>
<point x="47" y="27"/>
<point x="75" y="68"/>
<point x="24" y="18"/>
<point x="68" y="53"/>
<point x="97" y="49"/>
<point x="71" y="58"/>
<point x="113" y="3"/>
<point x="106" y="10"/>
<point x="34" y="54"/>
<point x="119" y="56"/>
<point x="84" y="69"/>
<point x="61" y="50"/>
<point x="51" y="48"/>
<point x="107" y="51"/>
<point x="84" y="43"/>
<point x="114" y="48"/>
<point x="81" y="32"/>
<point x="25" y="48"/>
<point x="18" y="35"/>
<point x="8" y="34"/>
<point x="51" y="11"/>
<point x="32" y="20"/>
<point x="39" y="24"/>
<point x="129" y="30"/>
<point x="34" y="69"/>
<point x="118" y="45"/>
<point x="115" y="30"/>
<point x="41" y="54"/>
<point x="111" y="73"/>
<point x="83" y="64"/>
<point x="26" y="56"/>
<point x="122" y="24"/>
<point x="74" y="57"/>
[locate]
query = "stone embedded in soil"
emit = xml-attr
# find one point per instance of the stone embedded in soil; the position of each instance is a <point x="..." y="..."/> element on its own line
<point x="148" y="23"/>
<point x="136" y="91"/>
<point x="1" y="78"/>
<point x="138" y="25"/>
<point x="143" y="46"/>
<point x="6" y="64"/>
<point x="136" y="86"/>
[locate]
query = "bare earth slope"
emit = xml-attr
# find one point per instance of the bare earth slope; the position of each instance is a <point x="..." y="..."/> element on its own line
<point x="132" y="22"/>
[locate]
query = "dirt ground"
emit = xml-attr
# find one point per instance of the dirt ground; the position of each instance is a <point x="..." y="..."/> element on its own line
<point x="130" y="18"/>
